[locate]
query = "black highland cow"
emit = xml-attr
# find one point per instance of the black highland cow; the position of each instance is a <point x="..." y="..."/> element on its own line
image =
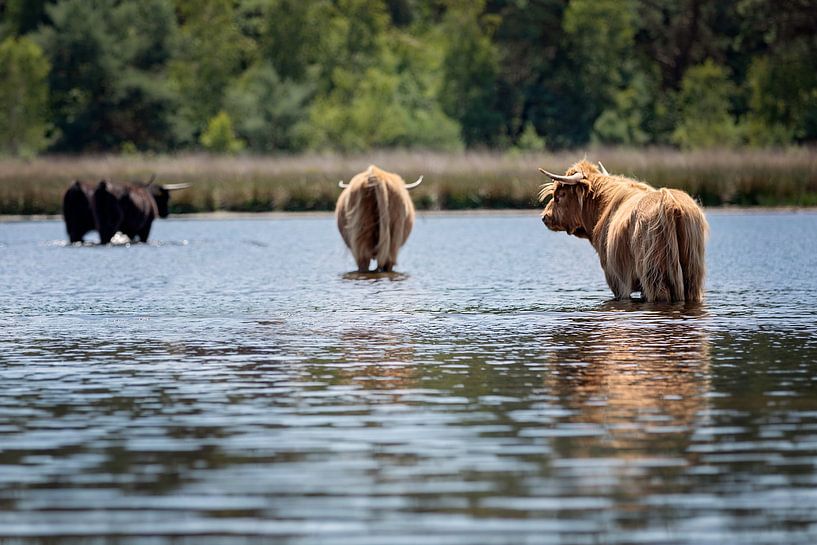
<point x="108" y="207"/>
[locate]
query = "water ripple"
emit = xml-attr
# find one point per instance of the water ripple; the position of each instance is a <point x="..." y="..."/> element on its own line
<point x="231" y="383"/>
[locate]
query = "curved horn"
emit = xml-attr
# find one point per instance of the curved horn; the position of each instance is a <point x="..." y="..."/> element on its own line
<point x="152" y="179"/>
<point x="567" y="179"/>
<point x="603" y="170"/>
<point x="415" y="184"/>
<point x="174" y="187"/>
<point x="341" y="184"/>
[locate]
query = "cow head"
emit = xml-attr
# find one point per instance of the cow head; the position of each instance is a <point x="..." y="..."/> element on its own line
<point x="371" y="176"/>
<point x="569" y="194"/>
<point x="161" y="194"/>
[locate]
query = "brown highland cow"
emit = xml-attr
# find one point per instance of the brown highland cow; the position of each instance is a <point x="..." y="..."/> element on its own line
<point x="375" y="216"/>
<point x="648" y="240"/>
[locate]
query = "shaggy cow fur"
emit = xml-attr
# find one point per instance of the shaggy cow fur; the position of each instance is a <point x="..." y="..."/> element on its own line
<point x="375" y="216"/>
<point x="648" y="240"/>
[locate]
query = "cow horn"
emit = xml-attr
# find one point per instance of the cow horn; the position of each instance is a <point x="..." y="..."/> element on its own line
<point x="567" y="179"/>
<point x="603" y="170"/>
<point x="152" y="179"/>
<point x="341" y="184"/>
<point x="415" y="184"/>
<point x="174" y="187"/>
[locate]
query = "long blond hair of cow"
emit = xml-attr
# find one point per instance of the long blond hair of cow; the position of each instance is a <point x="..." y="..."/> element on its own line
<point x="391" y="215"/>
<point x="669" y="232"/>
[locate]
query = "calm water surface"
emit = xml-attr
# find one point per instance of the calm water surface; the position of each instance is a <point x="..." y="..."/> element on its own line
<point x="229" y="383"/>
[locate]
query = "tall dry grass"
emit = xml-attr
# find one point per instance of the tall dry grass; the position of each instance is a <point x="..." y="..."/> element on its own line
<point x="452" y="181"/>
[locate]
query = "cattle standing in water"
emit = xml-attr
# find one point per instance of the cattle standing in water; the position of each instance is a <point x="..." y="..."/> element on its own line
<point x="77" y="210"/>
<point x="108" y="208"/>
<point x="648" y="240"/>
<point x="375" y="216"/>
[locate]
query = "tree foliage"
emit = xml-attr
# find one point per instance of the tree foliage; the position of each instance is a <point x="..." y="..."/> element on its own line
<point x="352" y="75"/>
<point x="705" y="120"/>
<point x="23" y="97"/>
<point x="108" y="84"/>
<point x="220" y="137"/>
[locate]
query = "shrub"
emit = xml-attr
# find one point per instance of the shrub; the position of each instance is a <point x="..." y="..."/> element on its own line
<point x="220" y="136"/>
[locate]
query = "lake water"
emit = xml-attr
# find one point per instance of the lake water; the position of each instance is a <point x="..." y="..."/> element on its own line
<point x="229" y="383"/>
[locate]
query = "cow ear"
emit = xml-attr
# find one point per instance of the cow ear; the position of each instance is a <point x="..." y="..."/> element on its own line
<point x="583" y="186"/>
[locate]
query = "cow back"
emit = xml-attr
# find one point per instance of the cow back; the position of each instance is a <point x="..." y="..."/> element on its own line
<point x="138" y="210"/>
<point x="375" y="216"/>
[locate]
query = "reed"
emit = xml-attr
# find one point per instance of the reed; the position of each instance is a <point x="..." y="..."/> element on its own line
<point x="452" y="181"/>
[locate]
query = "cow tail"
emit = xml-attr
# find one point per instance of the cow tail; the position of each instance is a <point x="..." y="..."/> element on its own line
<point x="669" y="213"/>
<point x="381" y="191"/>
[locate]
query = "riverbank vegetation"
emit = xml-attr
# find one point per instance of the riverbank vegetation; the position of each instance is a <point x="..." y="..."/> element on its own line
<point x="452" y="181"/>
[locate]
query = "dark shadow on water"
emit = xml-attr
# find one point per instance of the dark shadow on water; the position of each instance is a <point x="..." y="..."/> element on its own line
<point x="375" y="276"/>
<point x="256" y="243"/>
<point x="679" y="310"/>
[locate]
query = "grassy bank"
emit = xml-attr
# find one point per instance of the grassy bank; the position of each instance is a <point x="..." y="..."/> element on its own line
<point x="459" y="181"/>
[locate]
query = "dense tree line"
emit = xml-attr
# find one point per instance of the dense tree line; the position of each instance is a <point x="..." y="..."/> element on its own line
<point x="350" y="75"/>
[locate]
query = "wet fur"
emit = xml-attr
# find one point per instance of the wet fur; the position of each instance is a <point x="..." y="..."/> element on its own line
<point x="375" y="216"/>
<point x="648" y="240"/>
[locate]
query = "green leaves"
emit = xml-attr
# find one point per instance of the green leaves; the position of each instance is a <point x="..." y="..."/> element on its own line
<point x="705" y="119"/>
<point x="220" y="136"/>
<point x="23" y="97"/>
<point x="379" y="109"/>
<point x="108" y="84"/>
<point x="352" y="75"/>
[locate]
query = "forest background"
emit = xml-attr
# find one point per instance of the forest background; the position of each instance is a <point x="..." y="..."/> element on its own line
<point x="267" y="78"/>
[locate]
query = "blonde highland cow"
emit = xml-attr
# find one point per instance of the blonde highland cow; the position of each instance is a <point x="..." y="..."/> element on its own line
<point x="375" y="216"/>
<point x="648" y="240"/>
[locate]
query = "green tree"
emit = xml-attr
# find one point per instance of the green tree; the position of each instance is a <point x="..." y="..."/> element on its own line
<point x="220" y="136"/>
<point x="287" y="35"/>
<point x="107" y="83"/>
<point x="268" y="110"/>
<point x="376" y="87"/>
<point x="470" y="76"/>
<point x="529" y="140"/>
<point x="782" y="76"/>
<point x="705" y="118"/>
<point x="354" y="38"/>
<point x="673" y="35"/>
<point x="23" y="97"/>
<point x="22" y="16"/>
<point x="379" y="109"/>
<point x="212" y="52"/>
<point x="534" y="82"/>
<point x="600" y="36"/>
<point x="623" y="122"/>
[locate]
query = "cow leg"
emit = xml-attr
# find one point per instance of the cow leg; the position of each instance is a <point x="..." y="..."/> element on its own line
<point x="105" y="236"/>
<point x="387" y="267"/>
<point x="657" y="293"/>
<point x="143" y="233"/>
<point x="620" y="289"/>
<point x="363" y="265"/>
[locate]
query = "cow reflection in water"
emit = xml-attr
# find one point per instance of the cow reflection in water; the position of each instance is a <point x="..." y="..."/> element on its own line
<point x="642" y="377"/>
